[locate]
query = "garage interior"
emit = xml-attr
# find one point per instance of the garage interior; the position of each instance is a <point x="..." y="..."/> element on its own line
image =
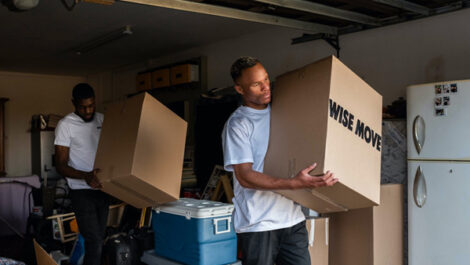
<point x="48" y="47"/>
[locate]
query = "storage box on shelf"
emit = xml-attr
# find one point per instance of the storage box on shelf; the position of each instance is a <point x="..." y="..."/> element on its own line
<point x="184" y="73"/>
<point x="144" y="81"/>
<point x="161" y="78"/>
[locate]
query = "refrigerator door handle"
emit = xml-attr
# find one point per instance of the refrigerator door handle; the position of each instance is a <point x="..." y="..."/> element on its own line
<point x="419" y="188"/>
<point x="418" y="133"/>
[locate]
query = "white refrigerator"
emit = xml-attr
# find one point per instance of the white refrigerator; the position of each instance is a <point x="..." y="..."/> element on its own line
<point x="438" y="130"/>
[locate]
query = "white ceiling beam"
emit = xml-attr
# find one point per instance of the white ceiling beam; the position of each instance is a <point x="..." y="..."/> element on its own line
<point x="324" y="10"/>
<point x="238" y="14"/>
<point x="406" y="5"/>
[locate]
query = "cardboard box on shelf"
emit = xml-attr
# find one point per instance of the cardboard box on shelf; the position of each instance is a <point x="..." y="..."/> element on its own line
<point x="144" y="81"/>
<point x="140" y="152"/>
<point x="184" y="73"/>
<point x="369" y="236"/>
<point x="317" y="229"/>
<point x="161" y="78"/>
<point x="325" y="113"/>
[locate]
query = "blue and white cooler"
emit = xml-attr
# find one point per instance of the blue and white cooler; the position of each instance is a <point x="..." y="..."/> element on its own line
<point x="195" y="232"/>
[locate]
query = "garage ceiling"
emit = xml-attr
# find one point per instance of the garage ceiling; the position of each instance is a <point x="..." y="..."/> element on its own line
<point x="47" y="38"/>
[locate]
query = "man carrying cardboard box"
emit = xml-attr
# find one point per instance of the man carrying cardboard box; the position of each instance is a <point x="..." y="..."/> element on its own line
<point x="271" y="228"/>
<point x="76" y="141"/>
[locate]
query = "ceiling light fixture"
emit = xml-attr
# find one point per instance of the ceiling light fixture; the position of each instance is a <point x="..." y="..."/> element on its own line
<point x="75" y="2"/>
<point x="20" y="5"/>
<point x="105" y="39"/>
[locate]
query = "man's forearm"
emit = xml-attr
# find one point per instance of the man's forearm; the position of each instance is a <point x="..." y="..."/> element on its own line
<point x="70" y="172"/>
<point x="251" y="179"/>
<point x="261" y="181"/>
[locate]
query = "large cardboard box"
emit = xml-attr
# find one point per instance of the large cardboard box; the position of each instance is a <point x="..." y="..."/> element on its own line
<point x="325" y="113"/>
<point x="369" y="236"/>
<point x="141" y="150"/>
<point x="318" y="240"/>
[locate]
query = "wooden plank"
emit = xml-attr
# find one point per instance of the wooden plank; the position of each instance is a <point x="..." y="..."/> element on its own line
<point x="237" y="14"/>
<point x="227" y="187"/>
<point x="406" y="5"/>
<point x="324" y="10"/>
<point x="2" y="136"/>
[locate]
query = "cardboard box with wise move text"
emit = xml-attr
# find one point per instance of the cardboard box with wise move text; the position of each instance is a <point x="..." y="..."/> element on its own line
<point x="141" y="150"/>
<point x="325" y="113"/>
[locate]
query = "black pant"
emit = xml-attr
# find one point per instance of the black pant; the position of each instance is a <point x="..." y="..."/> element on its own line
<point x="288" y="246"/>
<point x="91" y="209"/>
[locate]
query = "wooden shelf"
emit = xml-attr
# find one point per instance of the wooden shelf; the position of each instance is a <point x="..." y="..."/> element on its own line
<point x="2" y="136"/>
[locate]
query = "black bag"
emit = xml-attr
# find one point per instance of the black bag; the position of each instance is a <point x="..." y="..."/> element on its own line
<point x="120" y="249"/>
<point x="144" y="238"/>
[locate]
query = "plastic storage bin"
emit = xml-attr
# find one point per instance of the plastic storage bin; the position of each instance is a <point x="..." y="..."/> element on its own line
<point x="195" y="232"/>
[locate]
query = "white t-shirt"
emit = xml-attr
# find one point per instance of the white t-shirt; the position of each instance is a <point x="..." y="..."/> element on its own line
<point x="82" y="140"/>
<point x="245" y="140"/>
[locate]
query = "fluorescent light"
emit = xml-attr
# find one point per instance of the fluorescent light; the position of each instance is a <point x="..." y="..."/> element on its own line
<point x="105" y="39"/>
<point x="25" y="4"/>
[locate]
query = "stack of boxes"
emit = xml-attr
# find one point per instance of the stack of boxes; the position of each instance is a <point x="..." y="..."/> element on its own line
<point x="168" y="76"/>
<point x="372" y="235"/>
<point x="366" y="236"/>
<point x="325" y="113"/>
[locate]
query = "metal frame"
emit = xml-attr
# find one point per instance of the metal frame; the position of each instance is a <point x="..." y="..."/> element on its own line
<point x="237" y="14"/>
<point x="406" y="5"/>
<point x="324" y="10"/>
<point x="313" y="31"/>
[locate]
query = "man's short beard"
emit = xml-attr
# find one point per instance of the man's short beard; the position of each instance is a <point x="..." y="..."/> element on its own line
<point x="88" y="120"/>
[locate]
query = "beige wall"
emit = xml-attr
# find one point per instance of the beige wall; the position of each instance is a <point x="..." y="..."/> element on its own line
<point x="116" y="84"/>
<point x="30" y="94"/>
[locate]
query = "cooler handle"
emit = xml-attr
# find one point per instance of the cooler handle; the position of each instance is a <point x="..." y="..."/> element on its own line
<point x="216" y="225"/>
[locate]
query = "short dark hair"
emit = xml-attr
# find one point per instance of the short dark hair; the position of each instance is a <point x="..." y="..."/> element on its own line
<point x="241" y="64"/>
<point x="82" y="91"/>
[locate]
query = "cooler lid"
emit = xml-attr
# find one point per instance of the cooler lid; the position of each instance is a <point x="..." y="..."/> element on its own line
<point x="192" y="208"/>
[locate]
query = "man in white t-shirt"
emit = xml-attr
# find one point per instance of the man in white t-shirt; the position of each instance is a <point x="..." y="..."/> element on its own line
<point x="76" y="141"/>
<point x="270" y="227"/>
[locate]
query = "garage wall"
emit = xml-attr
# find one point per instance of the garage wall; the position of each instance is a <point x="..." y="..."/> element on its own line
<point x="30" y="94"/>
<point x="389" y="58"/>
<point x="116" y="84"/>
